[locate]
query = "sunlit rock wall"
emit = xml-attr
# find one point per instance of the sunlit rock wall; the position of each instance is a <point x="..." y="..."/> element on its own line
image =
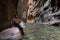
<point x="44" y="11"/>
<point x="35" y="8"/>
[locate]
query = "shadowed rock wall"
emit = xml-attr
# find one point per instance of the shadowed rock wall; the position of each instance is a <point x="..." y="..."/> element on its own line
<point x="8" y="9"/>
<point x="22" y="9"/>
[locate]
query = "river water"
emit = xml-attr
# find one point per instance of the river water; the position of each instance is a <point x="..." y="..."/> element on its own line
<point x="41" y="32"/>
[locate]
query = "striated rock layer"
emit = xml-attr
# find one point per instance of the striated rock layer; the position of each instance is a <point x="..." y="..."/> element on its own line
<point x="44" y="11"/>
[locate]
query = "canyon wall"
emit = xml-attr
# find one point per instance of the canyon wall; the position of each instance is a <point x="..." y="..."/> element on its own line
<point x="22" y="8"/>
<point x="37" y="11"/>
<point x="44" y="11"/>
<point x="8" y="9"/>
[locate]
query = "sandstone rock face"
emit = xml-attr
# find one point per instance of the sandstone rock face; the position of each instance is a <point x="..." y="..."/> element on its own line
<point x="44" y="10"/>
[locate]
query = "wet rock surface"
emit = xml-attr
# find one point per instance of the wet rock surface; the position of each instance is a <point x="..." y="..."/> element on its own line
<point x="41" y="32"/>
